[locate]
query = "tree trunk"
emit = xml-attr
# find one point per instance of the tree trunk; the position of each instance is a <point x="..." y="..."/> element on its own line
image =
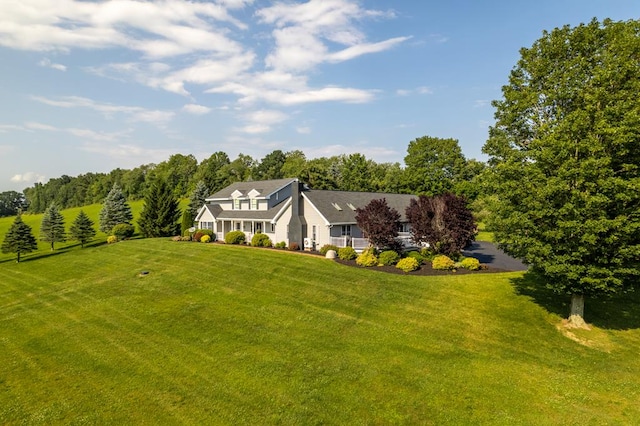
<point x="576" y="317"/>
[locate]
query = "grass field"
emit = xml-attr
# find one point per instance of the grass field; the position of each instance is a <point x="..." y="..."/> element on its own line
<point x="220" y="334"/>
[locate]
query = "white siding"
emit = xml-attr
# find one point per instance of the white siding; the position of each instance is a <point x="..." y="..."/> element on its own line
<point x="312" y="218"/>
<point x="281" y="227"/>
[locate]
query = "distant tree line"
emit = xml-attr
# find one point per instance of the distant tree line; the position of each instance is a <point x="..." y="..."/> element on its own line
<point x="432" y="166"/>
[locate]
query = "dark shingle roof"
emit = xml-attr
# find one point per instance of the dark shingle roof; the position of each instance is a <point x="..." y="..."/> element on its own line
<point x="219" y="213"/>
<point x="325" y="200"/>
<point x="264" y="187"/>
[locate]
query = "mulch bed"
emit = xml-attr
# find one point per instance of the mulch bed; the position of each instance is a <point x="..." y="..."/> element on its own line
<point x="425" y="269"/>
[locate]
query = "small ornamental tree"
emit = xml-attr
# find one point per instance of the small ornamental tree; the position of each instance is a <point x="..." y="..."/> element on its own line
<point x="115" y="210"/>
<point x="379" y="222"/>
<point x="82" y="229"/>
<point x="443" y="221"/>
<point x="52" y="227"/>
<point x="187" y="221"/>
<point x="19" y="239"/>
<point x="160" y="214"/>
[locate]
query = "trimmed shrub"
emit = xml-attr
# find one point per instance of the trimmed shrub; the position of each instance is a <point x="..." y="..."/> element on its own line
<point x="185" y="238"/>
<point x="112" y="239"/>
<point x="293" y="246"/>
<point x="367" y="258"/>
<point x="176" y="238"/>
<point x="281" y="245"/>
<point x="347" y="253"/>
<point x="443" y="262"/>
<point x="205" y="239"/>
<point x="123" y="231"/>
<point x="235" y="237"/>
<point x="470" y="263"/>
<point x="417" y="256"/>
<point x="325" y="248"/>
<point x="261" y="240"/>
<point x="428" y="254"/>
<point x="408" y="264"/>
<point x="388" y="257"/>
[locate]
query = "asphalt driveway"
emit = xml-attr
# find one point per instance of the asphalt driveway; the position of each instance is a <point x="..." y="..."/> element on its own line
<point x="492" y="256"/>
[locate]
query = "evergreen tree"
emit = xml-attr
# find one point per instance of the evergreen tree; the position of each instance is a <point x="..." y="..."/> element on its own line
<point x="197" y="199"/>
<point x="115" y="210"/>
<point x="52" y="227"/>
<point x="82" y="229"/>
<point x="187" y="220"/>
<point x="19" y="239"/>
<point x="160" y="213"/>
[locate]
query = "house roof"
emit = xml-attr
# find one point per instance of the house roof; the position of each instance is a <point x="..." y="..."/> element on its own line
<point x="218" y="213"/>
<point x="328" y="202"/>
<point x="265" y="188"/>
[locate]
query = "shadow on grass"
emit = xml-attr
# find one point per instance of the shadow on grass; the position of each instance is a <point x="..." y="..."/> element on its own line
<point x="617" y="312"/>
<point x="41" y="254"/>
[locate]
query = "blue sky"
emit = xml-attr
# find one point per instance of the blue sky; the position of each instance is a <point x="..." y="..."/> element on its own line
<point x="90" y="86"/>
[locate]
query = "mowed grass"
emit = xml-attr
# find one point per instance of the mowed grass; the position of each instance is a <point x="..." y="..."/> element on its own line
<point x="220" y="334"/>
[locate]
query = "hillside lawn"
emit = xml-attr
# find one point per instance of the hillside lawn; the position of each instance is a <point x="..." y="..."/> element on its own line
<point x="217" y="334"/>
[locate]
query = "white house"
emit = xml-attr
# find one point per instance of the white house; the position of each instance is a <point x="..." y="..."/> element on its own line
<point x="286" y="210"/>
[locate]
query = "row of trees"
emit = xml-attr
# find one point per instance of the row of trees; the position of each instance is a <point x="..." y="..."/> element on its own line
<point x="432" y="166"/>
<point x="444" y="222"/>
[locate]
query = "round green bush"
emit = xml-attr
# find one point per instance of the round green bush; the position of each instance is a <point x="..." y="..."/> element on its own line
<point x="261" y="240"/>
<point x="112" y="239"/>
<point x="123" y="231"/>
<point x="281" y="245"/>
<point x="208" y="232"/>
<point x="347" y="253"/>
<point x="235" y="237"/>
<point x="408" y="264"/>
<point x="388" y="257"/>
<point x="325" y="248"/>
<point x="367" y="258"/>
<point x="442" y="262"/>
<point x="470" y="263"/>
<point x="417" y="256"/>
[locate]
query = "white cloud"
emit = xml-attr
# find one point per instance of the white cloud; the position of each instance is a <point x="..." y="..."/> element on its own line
<point x="28" y="177"/>
<point x="422" y="90"/>
<point x="481" y="103"/>
<point x="196" y="109"/>
<point x="262" y="121"/>
<point x="362" y="49"/>
<point x="4" y="128"/>
<point x="303" y="130"/>
<point x="46" y="62"/>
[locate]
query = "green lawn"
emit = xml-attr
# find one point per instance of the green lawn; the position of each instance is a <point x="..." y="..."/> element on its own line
<point x="220" y="334"/>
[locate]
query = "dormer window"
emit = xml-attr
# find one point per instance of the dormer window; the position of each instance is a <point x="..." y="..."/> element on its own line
<point x="254" y="204"/>
<point x="236" y="203"/>
<point x="336" y="206"/>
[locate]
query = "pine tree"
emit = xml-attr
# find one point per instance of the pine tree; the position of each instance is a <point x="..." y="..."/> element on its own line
<point x="19" y="239"/>
<point x="82" y="229"/>
<point x="187" y="220"/>
<point x="160" y="214"/>
<point x="115" y="210"/>
<point x="52" y="227"/>
<point x="197" y="198"/>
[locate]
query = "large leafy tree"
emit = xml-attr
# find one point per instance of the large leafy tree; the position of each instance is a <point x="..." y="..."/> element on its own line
<point x="82" y="229"/>
<point x="433" y="165"/>
<point x="270" y="167"/>
<point x="443" y="221"/>
<point x="115" y="210"/>
<point x="52" y="226"/>
<point x="11" y="203"/>
<point x="565" y="152"/>
<point x="160" y="213"/>
<point x="19" y="239"/>
<point x="379" y="222"/>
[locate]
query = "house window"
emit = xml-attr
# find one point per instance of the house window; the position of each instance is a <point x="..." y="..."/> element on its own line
<point x="254" y="204"/>
<point x="237" y="226"/>
<point x="236" y="204"/>
<point x="273" y="228"/>
<point x="346" y="230"/>
<point x="313" y="232"/>
<point x="258" y="227"/>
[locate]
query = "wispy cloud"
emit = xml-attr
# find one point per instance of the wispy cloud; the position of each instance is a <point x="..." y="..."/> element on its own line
<point x="422" y="90"/>
<point x="46" y="62"/>
<point x="262" y="121"/>
<point x="481" y="103"/>
<point x="129" y="153"/>
<point x="78" y="132"/>
<point x="133" y="112"/>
